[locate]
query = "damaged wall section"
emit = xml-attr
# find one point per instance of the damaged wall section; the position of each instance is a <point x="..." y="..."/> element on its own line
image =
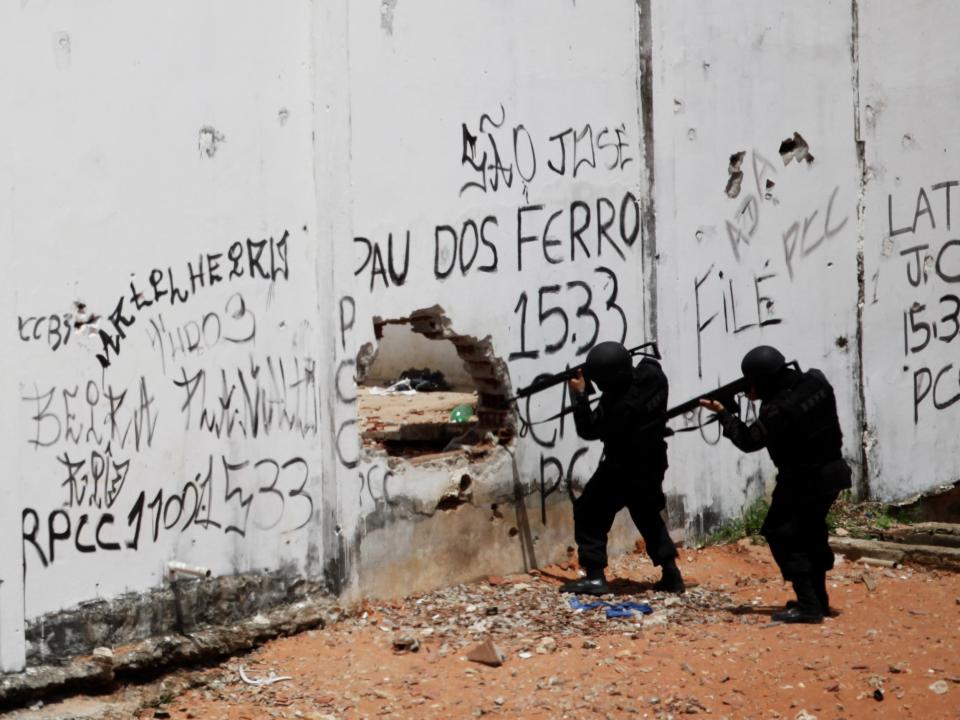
<point x="235" y="265"/>
<point x="530" y="237"/>
<point x="420" y="412"/>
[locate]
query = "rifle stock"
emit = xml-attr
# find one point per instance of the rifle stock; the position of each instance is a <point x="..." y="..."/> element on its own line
<point x="723" y="394"/>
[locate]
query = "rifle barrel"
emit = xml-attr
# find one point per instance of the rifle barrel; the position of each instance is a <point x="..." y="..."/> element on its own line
<point x="724" y="391"/>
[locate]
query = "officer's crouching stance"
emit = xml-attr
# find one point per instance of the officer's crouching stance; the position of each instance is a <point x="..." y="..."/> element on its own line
<point x="631" y="471"/>
<point x="798" y="424"/>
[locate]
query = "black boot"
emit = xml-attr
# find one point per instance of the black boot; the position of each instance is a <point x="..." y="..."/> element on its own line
<point x="806" y="609"/>
<point x="593" y="583"/>
<point x="820" y="587"/>
<point x="671" y="580"/>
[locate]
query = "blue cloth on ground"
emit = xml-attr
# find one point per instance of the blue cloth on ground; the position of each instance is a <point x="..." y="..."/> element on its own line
<point x="614" y="609"/>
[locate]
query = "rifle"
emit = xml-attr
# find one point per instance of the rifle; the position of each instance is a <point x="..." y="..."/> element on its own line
<point x="549" y="381"/>
<point x="723" y="394"/>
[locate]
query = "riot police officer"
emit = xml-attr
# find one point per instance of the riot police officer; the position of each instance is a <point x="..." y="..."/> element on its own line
<point x="798" y="425"/>
<point x="628" y="419"/>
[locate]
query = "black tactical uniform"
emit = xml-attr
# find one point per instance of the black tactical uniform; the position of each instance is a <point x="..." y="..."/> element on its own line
<point x="628" y="419"/>
<point x="798" y="425"/>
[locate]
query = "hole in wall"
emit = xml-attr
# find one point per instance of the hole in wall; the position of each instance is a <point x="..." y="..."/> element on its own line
<point x="736" y="174"/>
<point x="425" y="389"/>
<point x="795" y="148"/>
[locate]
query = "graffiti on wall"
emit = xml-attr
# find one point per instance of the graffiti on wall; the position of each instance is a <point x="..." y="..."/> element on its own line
<point x="216" y="379"/>
<point x="583" y="247"/>
<point x="920" y="223"/>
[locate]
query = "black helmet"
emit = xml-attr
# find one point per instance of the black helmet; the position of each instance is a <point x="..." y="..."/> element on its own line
<point x="609" y="365"/>
<point x="761" y="366"/>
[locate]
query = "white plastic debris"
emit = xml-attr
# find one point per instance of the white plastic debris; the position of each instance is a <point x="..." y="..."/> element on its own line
<point x="401" y="387"/>
<point x="269" y="680"/>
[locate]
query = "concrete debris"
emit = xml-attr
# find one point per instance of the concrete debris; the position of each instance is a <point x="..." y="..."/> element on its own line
<point x="928" y="533"/>
<point x="531" y="613"/>
<point x="487" y="653"/>
<point x="405" y="643"/>
<point x="940" y="687"/>
<point x="892" y="552"/>
<point x="546" y="646"/>
<point x="878" y="562"/>
<point x="804" y="715"/>
<point x="869" y="581"/>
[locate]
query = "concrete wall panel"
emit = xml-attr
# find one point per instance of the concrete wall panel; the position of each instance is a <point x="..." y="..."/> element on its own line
<point x="496" y="169"/>
<point x="752" y="250"/>
<point x="908" y="80"/>
<point x="161" y="211"/>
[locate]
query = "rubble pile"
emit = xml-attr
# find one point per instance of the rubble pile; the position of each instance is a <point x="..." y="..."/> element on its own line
<point x="525" y="614"/>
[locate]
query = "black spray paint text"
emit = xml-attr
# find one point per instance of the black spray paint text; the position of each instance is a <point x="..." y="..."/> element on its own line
<point x="259" y="260"/>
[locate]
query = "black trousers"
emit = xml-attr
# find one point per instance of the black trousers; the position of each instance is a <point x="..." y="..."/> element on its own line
<point x="612" y="488"/>
<point x="796" y="529"/>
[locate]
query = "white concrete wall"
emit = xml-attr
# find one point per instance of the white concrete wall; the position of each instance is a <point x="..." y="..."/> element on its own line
<point x="145" y="136"/>
<point x="424" y="72"/>
<point x="909" y="65"/>
<point x="775" y="265"/>
<point x="150" y="140"/>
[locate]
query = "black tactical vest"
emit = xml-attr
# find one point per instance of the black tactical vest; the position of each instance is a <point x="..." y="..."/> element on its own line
<point x="804" y="430"/>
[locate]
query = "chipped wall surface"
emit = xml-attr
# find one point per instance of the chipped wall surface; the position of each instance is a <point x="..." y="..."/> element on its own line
<point x="754" y="248"/>
<point x="496" y="173"/>
<point x="206" y="208"/>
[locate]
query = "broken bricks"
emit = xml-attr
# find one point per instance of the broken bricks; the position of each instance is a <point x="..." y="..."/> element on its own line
<point x="486" y="653"/>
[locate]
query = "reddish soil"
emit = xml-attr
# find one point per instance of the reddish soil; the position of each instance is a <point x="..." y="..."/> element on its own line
<point x="711" y="652"/>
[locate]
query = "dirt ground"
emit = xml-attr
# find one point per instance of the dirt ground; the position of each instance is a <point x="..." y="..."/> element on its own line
<point x="891" y="651"/>
<point x="389" y="412"/>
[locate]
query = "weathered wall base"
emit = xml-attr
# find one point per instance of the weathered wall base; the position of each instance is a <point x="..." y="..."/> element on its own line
<point x="207" y="644"/>
<point x="180" y="607"/>
<point x="941" y="504"/>
<point x="415" y="553"/>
